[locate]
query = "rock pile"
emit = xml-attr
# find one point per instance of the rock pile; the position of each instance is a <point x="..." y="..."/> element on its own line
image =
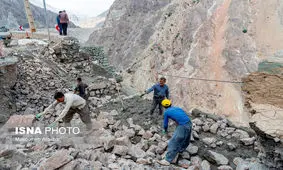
<point x="124" y="135"/>
<point x="99" y="57"/>
<point x="41" y="74"/>
<point x="8" y="76"/>
<point x="68" y="50"/>
<point x="103" y="87"/>
<point x="78" y="61"/>
<point x="35" y="85"/>
<point x="115" y="145"/>
<point x="96" y="53"/>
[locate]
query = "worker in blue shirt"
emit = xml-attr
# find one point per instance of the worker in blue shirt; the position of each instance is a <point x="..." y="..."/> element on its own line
<point x="182" y="135"/>
<point x="58" y="23"/>
<point x="161" y="91"/>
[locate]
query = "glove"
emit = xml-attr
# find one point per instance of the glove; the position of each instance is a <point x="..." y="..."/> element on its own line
<point x="38" y="116"/>
<point x="52" y="125"/>
<point x="164" y="132"/>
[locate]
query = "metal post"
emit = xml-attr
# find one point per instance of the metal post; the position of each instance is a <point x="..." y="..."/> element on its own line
<point x="46" y="20"/>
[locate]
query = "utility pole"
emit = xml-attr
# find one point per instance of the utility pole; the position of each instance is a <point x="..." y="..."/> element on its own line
<point x="46" y="20"/>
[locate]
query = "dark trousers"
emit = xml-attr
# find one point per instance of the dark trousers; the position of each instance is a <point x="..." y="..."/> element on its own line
<point x="179" y="142"/>
<point x="84" y="115"/>
<point x="156" y="102"/>
<point x="60" y="29"/>
<point x="64" y="27"/>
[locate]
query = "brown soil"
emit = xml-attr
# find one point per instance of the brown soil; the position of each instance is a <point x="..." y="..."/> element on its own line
<point x="263" y="88"/>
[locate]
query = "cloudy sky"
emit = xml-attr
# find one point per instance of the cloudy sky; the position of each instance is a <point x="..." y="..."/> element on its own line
<point x="89" y="8"/>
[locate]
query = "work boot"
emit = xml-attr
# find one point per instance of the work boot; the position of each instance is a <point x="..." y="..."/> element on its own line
<point x="175" y="159"/>
<point x="88" y="130"/>
<point x="164" y="162"/>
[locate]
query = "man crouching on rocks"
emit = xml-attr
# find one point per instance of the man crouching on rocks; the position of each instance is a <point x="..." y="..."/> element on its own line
<point x="73" y="104"/>
<point x="182" y="135"/>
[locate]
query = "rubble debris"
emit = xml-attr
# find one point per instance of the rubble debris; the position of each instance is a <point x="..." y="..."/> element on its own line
<point x="126" y="138"/>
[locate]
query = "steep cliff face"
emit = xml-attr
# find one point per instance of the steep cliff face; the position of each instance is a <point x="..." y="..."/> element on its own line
<point x="192" y="38"/>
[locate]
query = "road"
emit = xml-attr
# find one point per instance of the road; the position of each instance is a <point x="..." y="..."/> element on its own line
<point x="82" y="34"/>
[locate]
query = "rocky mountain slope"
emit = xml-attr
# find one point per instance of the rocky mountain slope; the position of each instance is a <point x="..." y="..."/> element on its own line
<point x="95" y="22"/>
<point x="124" y="135"/>
<point x="12" y="15"/>
<point x="214" y="40"/>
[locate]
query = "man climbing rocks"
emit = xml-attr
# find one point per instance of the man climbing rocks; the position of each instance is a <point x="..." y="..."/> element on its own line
<point x="81" y="89"/>
<point x="182" y="135"/>
<point x="64" y="20"/>
<point x="161" y="91"/>
<point x="73" y="104"/>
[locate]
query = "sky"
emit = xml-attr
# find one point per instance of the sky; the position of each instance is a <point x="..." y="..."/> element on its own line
<point x="89" y="8"/>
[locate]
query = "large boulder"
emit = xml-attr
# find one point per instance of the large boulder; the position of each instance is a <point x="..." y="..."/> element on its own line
<point x="268" y="119"/>
<point x="209" y="141"/>
<point x="192" y="149"/>
<point x="59" y="159"/>
<point x="136" y="152"/>
<point x="248" y="141"/>
<point x="205" y="165"/>
<point x="240" y="134"/>
<point x="216" y="158"/>
<point x="20" y="121"/>
<point x="120" y="150"/>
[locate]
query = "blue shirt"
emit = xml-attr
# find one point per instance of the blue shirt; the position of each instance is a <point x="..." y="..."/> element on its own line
<point x="159" y="91"/>
<point x="177" y="114"/>
<point x="58" y="20"/>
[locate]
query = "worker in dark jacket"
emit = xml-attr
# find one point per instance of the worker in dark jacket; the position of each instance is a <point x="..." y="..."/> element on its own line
<point x="161" y="91"/>
<point x="81" y="89"/>
<point x="182" y="135"/>
<point x="59" y="24"/>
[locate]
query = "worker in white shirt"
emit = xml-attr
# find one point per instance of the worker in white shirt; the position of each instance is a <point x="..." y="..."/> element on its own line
<point x="73" y="104"/>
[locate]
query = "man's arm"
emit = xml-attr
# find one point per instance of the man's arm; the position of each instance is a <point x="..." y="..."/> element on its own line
<point x="76" y="90"/>
<point x="67" y="17"/>
<point x="65" y="111"/>
<point x="150" y="89"/>
<point x="53" y="105"/>
<point x="86" y="89"/>
<point x="167" y="93"/>
<point x="165" y="122"/>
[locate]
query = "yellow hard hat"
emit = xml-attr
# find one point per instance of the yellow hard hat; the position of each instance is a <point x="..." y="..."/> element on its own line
<point x="166" y="103"/>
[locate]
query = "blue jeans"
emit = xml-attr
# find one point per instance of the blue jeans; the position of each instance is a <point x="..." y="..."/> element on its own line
<point x="179" y="141"/>
<point x="61" y="29"/>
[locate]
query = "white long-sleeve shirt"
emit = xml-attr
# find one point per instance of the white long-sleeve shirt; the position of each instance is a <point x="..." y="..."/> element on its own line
<point x="71" y="101"/>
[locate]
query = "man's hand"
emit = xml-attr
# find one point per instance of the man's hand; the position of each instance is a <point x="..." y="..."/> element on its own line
<point x="38" y="116"/>
<point x="52" y="125"/>
<point x="144" y="93"/>
<point x="164" y="132"/>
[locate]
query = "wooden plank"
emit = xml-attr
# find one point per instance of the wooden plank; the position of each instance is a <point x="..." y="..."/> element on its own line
<point x="29" y="16"/>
